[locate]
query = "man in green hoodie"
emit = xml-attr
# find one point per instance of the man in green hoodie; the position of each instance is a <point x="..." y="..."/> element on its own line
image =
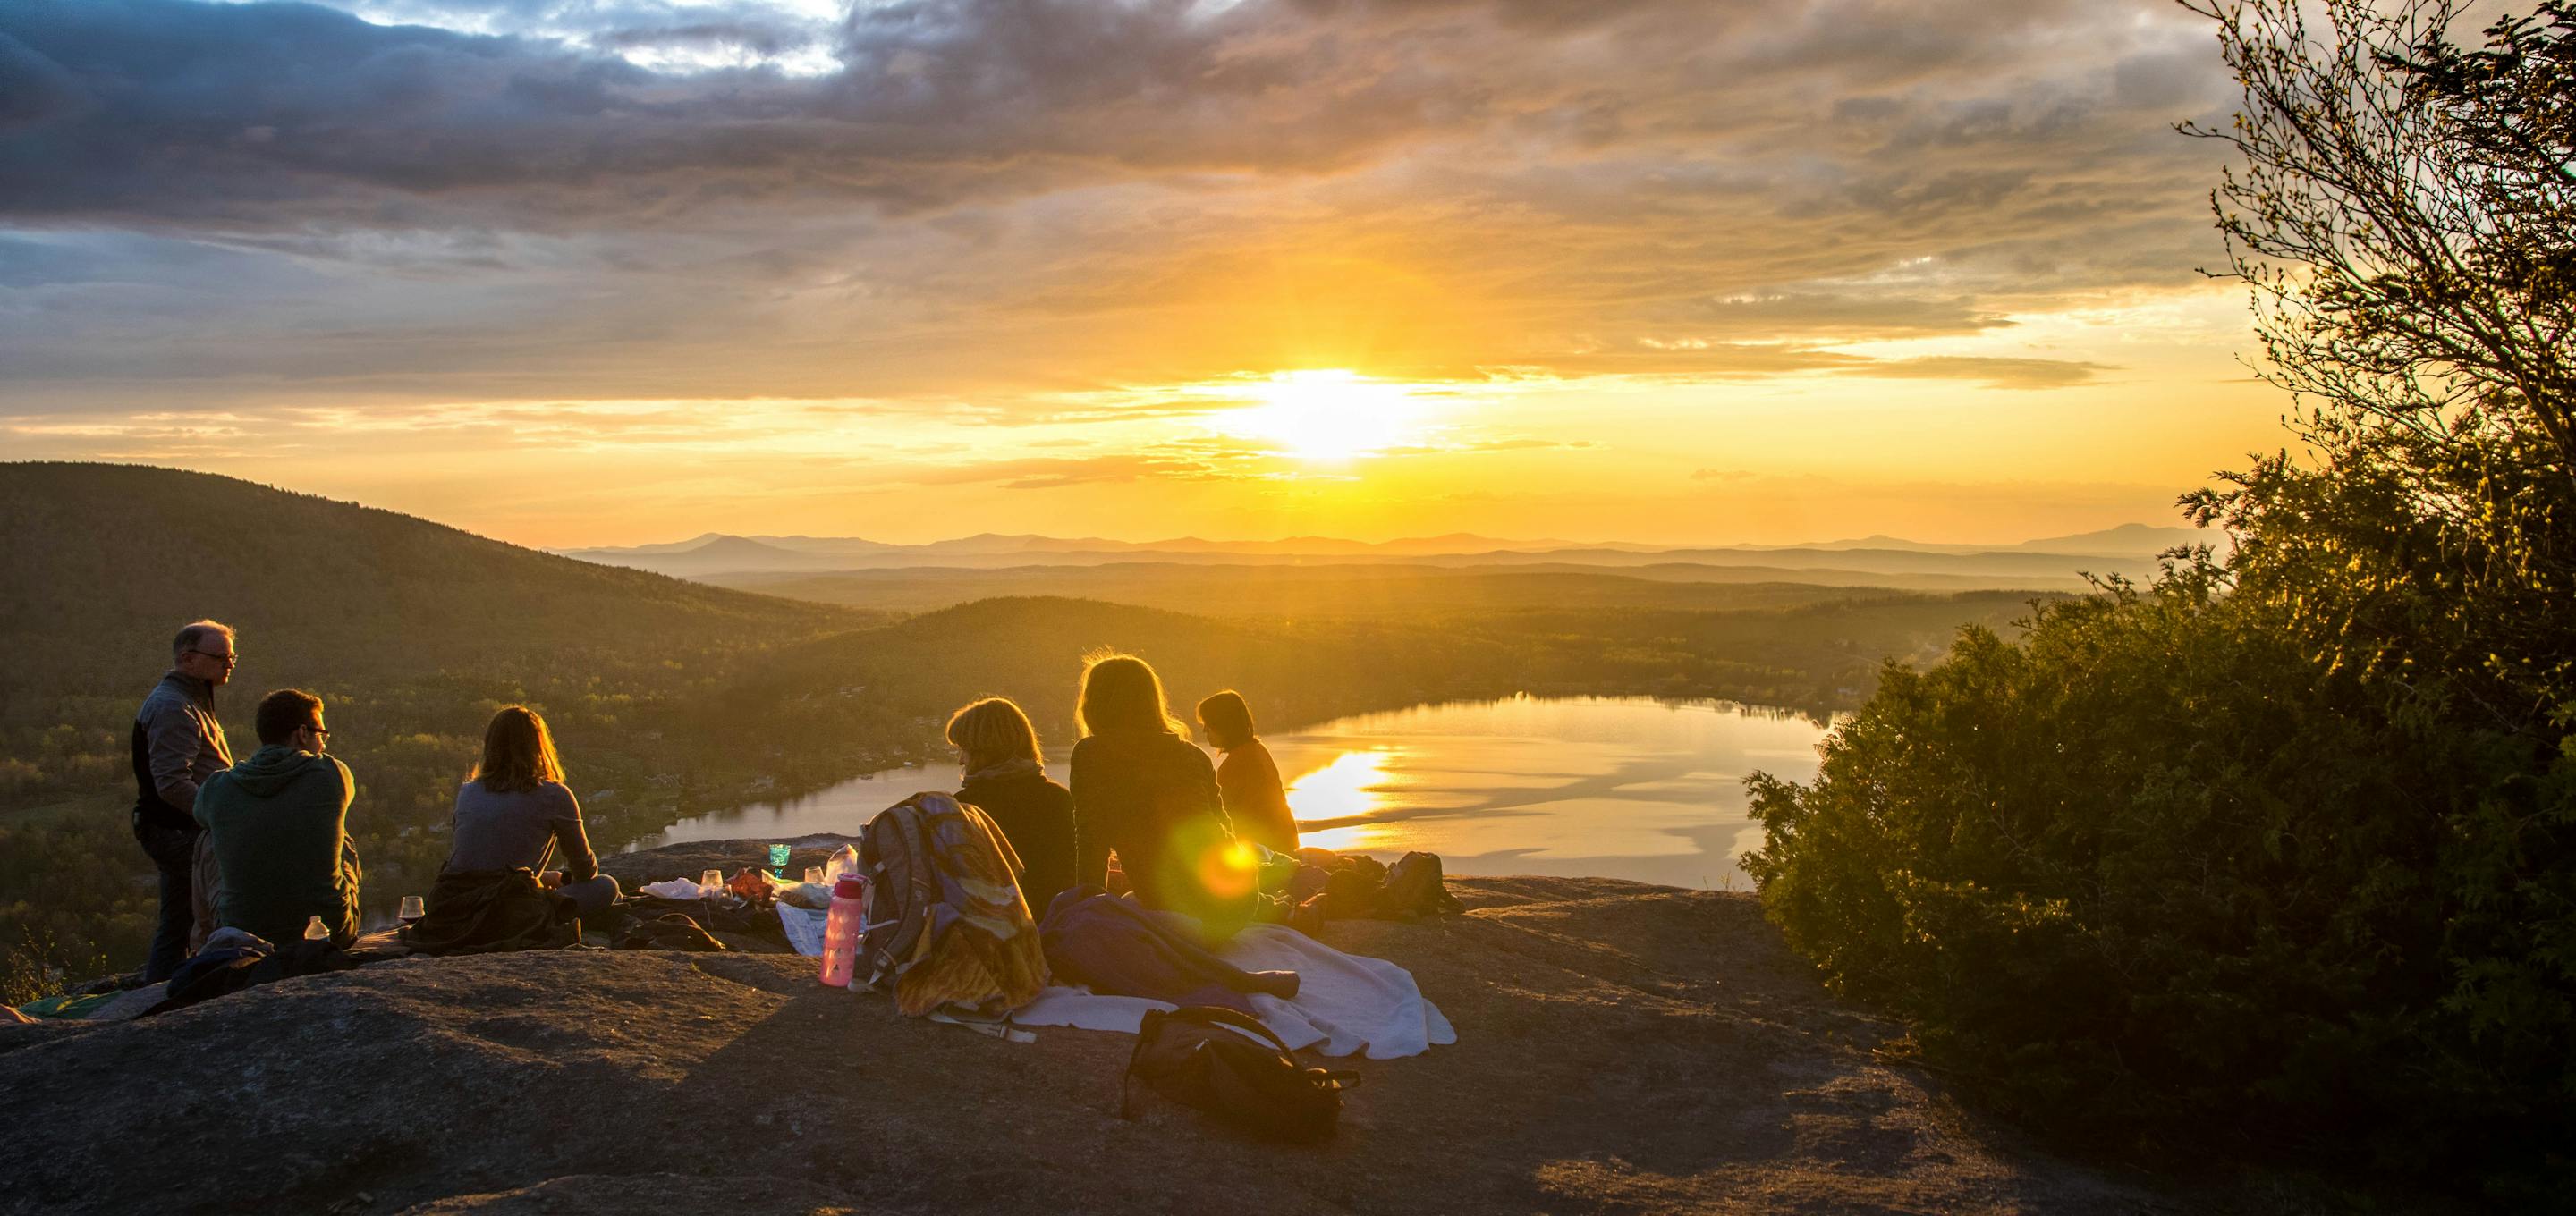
<point x="279" y="822"/>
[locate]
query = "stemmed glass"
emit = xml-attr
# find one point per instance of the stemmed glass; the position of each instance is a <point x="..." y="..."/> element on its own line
<point x="411" y="910"/>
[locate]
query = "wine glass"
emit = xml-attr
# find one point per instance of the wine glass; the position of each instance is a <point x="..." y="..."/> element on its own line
<point x="411" y="910"/>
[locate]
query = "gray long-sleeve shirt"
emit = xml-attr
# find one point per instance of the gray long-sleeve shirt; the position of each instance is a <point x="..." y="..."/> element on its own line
<point x="178" y="744"/>
<point x="499" y="831"/>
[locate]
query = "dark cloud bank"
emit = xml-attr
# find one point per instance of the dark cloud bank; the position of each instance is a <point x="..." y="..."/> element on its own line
<point x="1651" y="186"/>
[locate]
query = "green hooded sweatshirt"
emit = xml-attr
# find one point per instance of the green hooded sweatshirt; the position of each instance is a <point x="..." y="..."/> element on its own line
<point x="279" y="825"/>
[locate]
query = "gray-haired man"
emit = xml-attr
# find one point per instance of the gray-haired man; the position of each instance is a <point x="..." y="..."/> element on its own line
<point x="177" y="745"/>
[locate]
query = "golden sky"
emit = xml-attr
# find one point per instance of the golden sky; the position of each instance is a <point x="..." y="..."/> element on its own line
<point x="620" y="271"/>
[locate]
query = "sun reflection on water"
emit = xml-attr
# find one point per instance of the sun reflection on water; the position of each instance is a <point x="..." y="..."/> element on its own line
<point x="1351" y="787"/>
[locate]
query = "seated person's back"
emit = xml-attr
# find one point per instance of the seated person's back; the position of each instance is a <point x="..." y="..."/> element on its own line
<point x="516" y="811"/>
<point x="505" y="829"/>
<point x="278" y="822"/>
<point x="1152" y="799"/>
<point x="1141" y="789"/>
<point x="1255" y="804"/>
<point x="1005" y="777"/>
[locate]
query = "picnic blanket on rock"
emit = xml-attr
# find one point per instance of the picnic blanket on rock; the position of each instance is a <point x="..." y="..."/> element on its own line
<point x="1346" y="1004"/>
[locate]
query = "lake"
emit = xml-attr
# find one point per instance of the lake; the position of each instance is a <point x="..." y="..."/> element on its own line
<point x="1615" y="787"/>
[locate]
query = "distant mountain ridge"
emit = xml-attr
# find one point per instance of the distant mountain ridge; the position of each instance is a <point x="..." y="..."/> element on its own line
<point x="2128" y="550"/>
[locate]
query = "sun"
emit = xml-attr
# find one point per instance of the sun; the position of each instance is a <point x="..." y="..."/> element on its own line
<point x="1329" y="416"/>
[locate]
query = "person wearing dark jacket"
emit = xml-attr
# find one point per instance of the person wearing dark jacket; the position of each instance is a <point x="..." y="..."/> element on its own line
<point x="1005" y="777"/>
<point x="279" y="824"/>
<point x="514" y="811"/>
<point x="1142" y="790"/>
<point x="177" y="745"/>
<point x="1248" y="781"/>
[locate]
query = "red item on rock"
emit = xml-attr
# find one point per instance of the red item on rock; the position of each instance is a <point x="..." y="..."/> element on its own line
<point x="753" y="885"/>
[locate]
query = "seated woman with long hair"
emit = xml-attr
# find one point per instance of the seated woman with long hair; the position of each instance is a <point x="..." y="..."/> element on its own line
<point x="1248" y="781"/>
<point x="1005" y="775"/>
<point x="514" y="810"/>
<point x="1142" y="790"/>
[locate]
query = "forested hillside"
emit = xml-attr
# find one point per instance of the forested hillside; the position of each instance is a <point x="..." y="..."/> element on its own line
<point x="411" y="632"/>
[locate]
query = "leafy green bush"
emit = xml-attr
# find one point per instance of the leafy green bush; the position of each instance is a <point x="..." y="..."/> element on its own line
<point x="2156" y="867"/>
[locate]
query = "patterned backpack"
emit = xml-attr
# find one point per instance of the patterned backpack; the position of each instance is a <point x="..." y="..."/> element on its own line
<point x="947" y="924"/>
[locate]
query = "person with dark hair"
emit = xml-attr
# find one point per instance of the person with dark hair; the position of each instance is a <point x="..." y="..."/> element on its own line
<point x="279" y="824"/>
<point x="515" y="811"/>
<point x="1143" y="791"/>
<point x="1248" y="780"/>
<point x="177" y="745"/>
<point x="1005" y="777"/>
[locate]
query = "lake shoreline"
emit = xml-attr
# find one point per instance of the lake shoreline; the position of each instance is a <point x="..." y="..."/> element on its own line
<point x="1512" y="785"/>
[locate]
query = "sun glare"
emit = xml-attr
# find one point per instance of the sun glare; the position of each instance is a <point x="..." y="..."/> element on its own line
<point x="1349" y="788"/>
<point x="1330" y="415"/>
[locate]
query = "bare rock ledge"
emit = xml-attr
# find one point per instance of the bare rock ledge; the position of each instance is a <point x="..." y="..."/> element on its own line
<point x="1622" y="1048"/>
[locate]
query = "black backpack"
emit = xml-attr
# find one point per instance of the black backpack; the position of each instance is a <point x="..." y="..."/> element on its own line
<point x="1230" y="1065"/>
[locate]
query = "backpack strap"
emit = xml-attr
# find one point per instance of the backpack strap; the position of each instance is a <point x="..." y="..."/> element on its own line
<point x="1219" y="1015"/>
<point x="1127" y="1079"/>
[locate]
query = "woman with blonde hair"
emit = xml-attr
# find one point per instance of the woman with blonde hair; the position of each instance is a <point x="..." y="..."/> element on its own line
<point x="1143" y="791"/>
<point x="514" y="810"/>
<point x="1005" y="775"/>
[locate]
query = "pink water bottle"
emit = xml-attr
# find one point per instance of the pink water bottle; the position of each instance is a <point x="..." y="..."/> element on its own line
<point x="841" y="928"/>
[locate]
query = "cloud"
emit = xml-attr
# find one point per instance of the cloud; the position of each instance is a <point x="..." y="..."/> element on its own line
<point x="938" y="101"/>
<point x="1009" y="201"/>
<point x="1991" y="371"/>
<point x="1050" y="472"/>
<point x="1695" y="358"/>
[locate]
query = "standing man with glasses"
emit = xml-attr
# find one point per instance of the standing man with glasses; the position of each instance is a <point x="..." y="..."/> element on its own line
<point x="178" y="744"/>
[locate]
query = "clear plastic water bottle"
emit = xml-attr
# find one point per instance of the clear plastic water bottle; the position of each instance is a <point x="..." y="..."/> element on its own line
<point x="841" y="929"/>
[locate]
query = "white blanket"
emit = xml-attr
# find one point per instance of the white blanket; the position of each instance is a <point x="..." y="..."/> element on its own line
<point x="1346" y="1004"/>
<point x="804" y="928"/>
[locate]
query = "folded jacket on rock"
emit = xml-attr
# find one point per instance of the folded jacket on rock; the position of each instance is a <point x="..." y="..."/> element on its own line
<point x="1116" y="946"/>
<point x="218" y="970"/>
<point x="487" y="911"/>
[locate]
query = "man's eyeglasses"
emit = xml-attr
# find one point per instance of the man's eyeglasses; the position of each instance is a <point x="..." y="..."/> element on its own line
<point x="228" y="660"/>
<point x="318" y="732"/>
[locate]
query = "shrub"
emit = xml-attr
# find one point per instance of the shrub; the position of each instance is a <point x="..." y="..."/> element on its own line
<point x="2158" y="868"/>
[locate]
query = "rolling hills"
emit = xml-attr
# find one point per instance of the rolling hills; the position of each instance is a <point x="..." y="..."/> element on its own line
<point x="99" y="564"/>
<point x="670" y="697"/>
